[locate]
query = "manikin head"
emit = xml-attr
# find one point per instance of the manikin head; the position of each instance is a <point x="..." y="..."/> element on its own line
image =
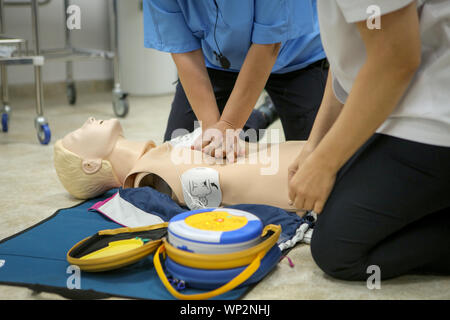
<point x="81" y="158"/>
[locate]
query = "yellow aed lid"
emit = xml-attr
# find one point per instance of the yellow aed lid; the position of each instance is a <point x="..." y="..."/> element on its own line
<point x="116" y="248"/>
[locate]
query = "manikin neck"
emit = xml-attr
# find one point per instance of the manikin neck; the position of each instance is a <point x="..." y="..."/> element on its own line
<point x="125" y="155"/>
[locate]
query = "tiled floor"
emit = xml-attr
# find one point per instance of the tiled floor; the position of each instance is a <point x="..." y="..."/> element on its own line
<point x="30" y="192"/>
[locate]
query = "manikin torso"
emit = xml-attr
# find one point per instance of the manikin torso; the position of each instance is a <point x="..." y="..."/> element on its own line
<point x="259" y="177"/>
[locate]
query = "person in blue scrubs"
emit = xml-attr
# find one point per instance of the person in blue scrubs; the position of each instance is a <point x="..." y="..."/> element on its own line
<point x="228" y="51"/>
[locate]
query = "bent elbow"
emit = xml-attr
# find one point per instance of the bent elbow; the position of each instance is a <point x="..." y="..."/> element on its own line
<point x="404" y="63"/>
<point x="276" y="48"/>
<point x="271" y="49"/>
<point x="411" y="64"/>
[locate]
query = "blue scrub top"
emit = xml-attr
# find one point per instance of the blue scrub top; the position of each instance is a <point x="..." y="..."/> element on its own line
<point x="178" y="26"/>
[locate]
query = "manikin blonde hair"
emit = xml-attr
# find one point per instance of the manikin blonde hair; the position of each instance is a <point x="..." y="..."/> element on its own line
<point x="76" y="181"/>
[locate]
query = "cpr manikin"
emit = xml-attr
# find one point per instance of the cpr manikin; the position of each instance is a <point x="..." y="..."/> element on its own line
<point x="97" y="157"/>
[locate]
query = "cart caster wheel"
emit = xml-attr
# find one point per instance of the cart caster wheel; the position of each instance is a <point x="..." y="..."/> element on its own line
<point x="5" y="120"/>
<point x="44" y="134"/>
<point x="121" y="106"/>
<point x="71" y="92"/>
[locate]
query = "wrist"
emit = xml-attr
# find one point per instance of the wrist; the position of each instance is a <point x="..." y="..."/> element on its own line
<point x="324" y="160"/>
<point x="227" y="124"/>
<point x="309" y="146"/>
<point x="208" y="123"/>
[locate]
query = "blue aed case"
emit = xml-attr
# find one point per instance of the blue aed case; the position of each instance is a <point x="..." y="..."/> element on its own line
<point x="212" y="279"/>
<point x="220" y="230"/>
<point x="216" y="249"/>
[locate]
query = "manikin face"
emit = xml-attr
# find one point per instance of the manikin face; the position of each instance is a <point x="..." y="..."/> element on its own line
<point x="95" y="139"/>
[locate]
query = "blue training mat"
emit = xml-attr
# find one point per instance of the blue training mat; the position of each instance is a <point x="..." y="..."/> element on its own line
<point x="36" y="258"/>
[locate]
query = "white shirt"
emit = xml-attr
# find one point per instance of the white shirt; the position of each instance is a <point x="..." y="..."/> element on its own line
<point x="423" y="114"/>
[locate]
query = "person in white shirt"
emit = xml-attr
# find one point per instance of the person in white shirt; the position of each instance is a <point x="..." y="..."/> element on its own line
<point x="376" y="168"/>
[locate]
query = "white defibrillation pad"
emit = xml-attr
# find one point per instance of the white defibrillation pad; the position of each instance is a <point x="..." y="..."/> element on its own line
<point x="186" y="140"/>
<point x="201" y="188"/>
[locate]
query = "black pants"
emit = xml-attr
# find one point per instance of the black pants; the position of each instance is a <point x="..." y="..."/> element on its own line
<point x="296" y="96"/>
<point x="390" y="207"/>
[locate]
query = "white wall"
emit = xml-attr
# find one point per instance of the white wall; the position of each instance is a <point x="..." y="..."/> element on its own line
<point x="143" y="71"/>
<point x="94" y="33"/>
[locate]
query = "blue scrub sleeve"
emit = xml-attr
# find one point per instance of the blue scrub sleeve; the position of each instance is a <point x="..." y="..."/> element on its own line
<point x="165" y="28"/>
<point x="281" y="20"/>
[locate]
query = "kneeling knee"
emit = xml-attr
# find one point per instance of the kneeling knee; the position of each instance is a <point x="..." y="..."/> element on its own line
<point x="336" y="260"/>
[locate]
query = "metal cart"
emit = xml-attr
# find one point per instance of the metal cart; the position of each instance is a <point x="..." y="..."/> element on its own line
<point x="67" y="54"/>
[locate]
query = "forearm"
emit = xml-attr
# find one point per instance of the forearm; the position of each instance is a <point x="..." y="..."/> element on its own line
<point x="329" y="110"/>
<point x="197" y="85"/>
<point x="249" y="84"/>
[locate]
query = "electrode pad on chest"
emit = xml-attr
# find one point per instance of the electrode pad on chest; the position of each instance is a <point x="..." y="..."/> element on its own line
<point x="201" y="188"/>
